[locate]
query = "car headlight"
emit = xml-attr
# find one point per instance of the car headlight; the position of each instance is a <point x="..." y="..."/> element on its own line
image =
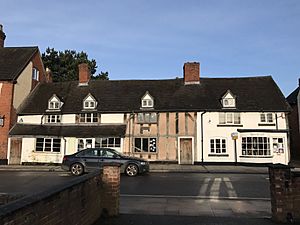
<point x="143" y="163"/>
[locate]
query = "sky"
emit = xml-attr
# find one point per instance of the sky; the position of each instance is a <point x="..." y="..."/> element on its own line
<point x="143" y="39"/>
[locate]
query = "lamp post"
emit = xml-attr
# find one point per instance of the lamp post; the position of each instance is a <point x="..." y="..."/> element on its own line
<point x="235" y="136"/>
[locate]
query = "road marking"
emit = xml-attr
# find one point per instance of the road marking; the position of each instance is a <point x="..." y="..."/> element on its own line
<point x="204" y="186"/>
<point x="230" y="190"/>
<point x="215" y="188"/>
<point x="197" y="197"/>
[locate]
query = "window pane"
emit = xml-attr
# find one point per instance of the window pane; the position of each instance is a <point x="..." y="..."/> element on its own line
<point x="262" y="118"/>
<point x="117" y="142"/>
<point x="147" y="117"/>
<point x="153" y="117"/>
<point x="140" y="117"/>
<point x="111" y="142"/>
<point x="229" y="118"/>
<point x="145" y="144"/>
<point x="95" y="117"/>
<point x="80" y="144"/>
<point x="137" y="145"/>
<point x="88" y="117"/>
<point x="39" y="144"/>
<point x="104" y="142"/>
<point x="270" y="117"/>
<point x="98" y="142"/>
<point x="222" y="118"/>
<point x="56" y="145"/>
<point x="82" y="118"/>
<point x="47" y="144"/>
<point x="237" y="118"/>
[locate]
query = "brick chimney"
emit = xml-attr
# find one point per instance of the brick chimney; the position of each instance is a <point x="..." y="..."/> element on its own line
<point x="84" y="74"/>
<point x="191" y="73"/>
<point x="2" y="36"/>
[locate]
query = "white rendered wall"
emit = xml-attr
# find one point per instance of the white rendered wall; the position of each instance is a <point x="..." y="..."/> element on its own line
<point x="112" y="118"/>
<point x="30" y="155"/>
<point x="249" y="121"/>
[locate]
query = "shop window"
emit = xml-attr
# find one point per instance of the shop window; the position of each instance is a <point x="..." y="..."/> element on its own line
<point x="256" y="146"/>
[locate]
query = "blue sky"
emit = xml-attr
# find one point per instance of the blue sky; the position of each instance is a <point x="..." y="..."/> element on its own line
<point x="143" y="39"/>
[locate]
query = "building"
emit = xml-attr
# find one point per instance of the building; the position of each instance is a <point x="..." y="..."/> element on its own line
<point x="186" y="121"/>
<point x="21" y="69"/>
<point x="294" y="123"/>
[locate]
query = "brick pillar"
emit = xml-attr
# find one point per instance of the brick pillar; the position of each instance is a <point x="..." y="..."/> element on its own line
<point x="281" y="193"/>
<point x="111" y="186"/>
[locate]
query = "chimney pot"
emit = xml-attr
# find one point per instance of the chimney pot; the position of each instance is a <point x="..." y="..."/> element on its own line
<point x="191" y="73"/>
<point x="84" y="74"/>
<point x="2" y="36"/>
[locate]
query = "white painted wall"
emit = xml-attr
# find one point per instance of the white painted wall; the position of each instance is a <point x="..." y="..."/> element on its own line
<point x="112" y="118"/>
<point x="68" y="118"/>
<point x="30" y="155"/>
<point x="35" y="119"/>
<point x="249" y="121"/>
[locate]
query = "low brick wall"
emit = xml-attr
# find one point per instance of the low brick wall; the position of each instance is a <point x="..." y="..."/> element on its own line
<point x="285" y="194"/>
<point x="82" y="201"/>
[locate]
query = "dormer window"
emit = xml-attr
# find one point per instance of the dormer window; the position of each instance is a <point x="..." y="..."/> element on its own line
<point x="228" y="100"/>
<point x="89" y="102"/>
<point x="54" y="103"/>
<point x="147" y="101"/>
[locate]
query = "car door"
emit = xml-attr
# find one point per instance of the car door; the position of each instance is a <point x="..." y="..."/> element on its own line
<point x="91" y="158"/>
<point x="107" y="155"/>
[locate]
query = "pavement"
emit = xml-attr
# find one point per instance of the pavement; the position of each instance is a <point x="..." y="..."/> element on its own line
<point x="156" y="167"/>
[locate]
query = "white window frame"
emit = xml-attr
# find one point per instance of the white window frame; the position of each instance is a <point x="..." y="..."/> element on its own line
<point x="230" y="118"/>
<point x="89" y="102"/>
<point x="221" y="140"/>
<point x="257" y="145"/>
<point x="147" y="101"/>
<point x="86" y="116"/>
<point x="264" y="118"/>
<point x="44" y="143"/>
<point x="54" y="103"/>
<point x="100" y="143"/>
<point x="53" y="118"/>
<point x="35" y="73"/>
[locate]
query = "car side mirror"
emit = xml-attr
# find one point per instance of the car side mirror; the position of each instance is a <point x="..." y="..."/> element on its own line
<point x="116" y="156"/>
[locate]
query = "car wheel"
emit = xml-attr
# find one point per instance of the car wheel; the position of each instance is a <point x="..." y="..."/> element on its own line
<point x="131" y="170"/>
<point x="77" y="169"/>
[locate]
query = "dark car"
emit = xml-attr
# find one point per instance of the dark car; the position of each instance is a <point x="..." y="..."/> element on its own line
<point x="91" y="158"/>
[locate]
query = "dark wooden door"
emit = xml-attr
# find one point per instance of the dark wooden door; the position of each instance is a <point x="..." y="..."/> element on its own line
<point x="186" y="152"/>
<point x="15" y="151"/>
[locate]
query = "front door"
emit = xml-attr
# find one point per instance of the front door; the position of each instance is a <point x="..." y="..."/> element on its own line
<point x="15" y="151"/>
<point x="186" y="150"/>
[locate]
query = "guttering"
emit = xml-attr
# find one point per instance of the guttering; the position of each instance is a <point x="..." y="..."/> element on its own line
<point x="202" y="155"/>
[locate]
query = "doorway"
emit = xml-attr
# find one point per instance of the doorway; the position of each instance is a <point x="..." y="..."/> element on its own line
<point x="15" y="151"/>
<point x="186" y="151"/>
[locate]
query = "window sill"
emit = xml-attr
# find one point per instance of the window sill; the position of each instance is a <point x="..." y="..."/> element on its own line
<point x="42" y="152"/>
<point x="218" y="155"/>
<point x="146" y="153"/>
<point x="266" y="124"/>
<point x="255" y="156"/>
<point x="229" y="125"/>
